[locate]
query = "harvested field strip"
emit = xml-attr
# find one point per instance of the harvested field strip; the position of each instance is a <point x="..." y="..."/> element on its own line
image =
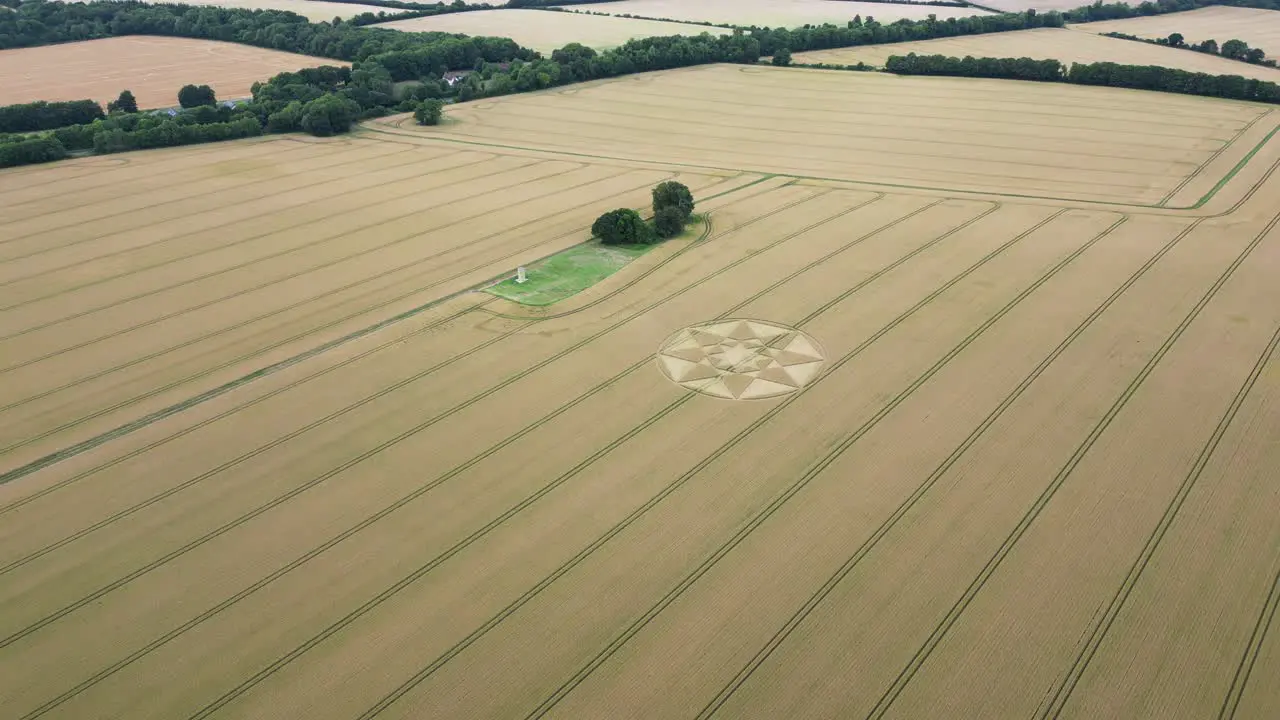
<point x="1006" y="547"/>
<point x="640" y="585"/>
<point x="779" y="241"/>
<point x="1104" y="623"/>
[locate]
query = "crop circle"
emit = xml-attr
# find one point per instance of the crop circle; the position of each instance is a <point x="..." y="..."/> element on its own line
<point x="740" y="359"/>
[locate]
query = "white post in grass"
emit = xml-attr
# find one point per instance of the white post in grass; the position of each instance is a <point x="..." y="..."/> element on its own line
<point x="520" y="275"/>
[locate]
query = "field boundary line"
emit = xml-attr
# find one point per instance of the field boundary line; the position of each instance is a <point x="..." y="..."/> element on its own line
<point x="1006" y="548"/>
<point x="814" y="470"/>
<point x="424" y="489"/>
<point x="916" y="495"/>
<point x="1257" y="639"/>
<point x="244" y="220"/>
<point x="227" y="527"/>
<point x="337" y="154"/>
<point x="423" y="570"/>
<point x="58" y="456"/>
<point x="1097" y="635"/>
<point x="282" y="253"/>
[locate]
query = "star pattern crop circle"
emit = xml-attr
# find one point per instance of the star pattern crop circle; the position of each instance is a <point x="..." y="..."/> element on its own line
<point x="741" y="359"/>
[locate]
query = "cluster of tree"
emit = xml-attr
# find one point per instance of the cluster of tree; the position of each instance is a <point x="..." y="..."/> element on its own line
<point x="40" y="115"/>
<point x="26" y="151"/>
<point x="125" y="103"/>
<point x="193" y="96"/>
<point x="1141" y="77"/>
<point x="1232" y="49"/>
<point x="969" y="66"/>
<point x="428" y="112"/>
<point x="672" y="210"/>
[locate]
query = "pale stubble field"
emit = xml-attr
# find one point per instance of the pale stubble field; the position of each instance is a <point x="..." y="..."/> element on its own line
<point x="1045" y="425"/>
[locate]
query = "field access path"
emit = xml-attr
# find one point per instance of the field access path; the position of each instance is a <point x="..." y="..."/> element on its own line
<point x="266" y="455"/>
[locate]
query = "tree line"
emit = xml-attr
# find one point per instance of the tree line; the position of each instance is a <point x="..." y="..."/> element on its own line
<point x="1100" y="10"/>
<point x="1140" y="77"/>
<point x="1234" y="49"/>
<point x="41" y="115"/>
<point x="672" y="210"/>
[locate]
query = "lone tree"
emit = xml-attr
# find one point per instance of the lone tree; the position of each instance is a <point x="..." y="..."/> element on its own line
<point x="429" y="112"/>
<point x="196" y="95"/>
<point x="126" y="103"/>
<point x="622" y="227"/>
<point x="1235" y="49"/>
<point x="1176" y="40"/>
<point x="782" y="57"/>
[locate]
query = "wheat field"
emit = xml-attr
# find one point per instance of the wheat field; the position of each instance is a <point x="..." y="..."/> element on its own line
<point x="775" y="13"/>
<point x="1065" y="45"/>
<point x="153" y="68"/>
<point x="265" y="453"/>
<point x="547" y="31"/>
<point x="1259" y="28"/>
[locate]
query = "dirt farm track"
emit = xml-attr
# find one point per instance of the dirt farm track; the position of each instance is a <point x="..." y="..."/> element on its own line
<point x="264" y="454"/>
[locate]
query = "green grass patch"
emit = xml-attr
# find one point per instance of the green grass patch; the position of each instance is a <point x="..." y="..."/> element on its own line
<point x="568" y="273"/>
